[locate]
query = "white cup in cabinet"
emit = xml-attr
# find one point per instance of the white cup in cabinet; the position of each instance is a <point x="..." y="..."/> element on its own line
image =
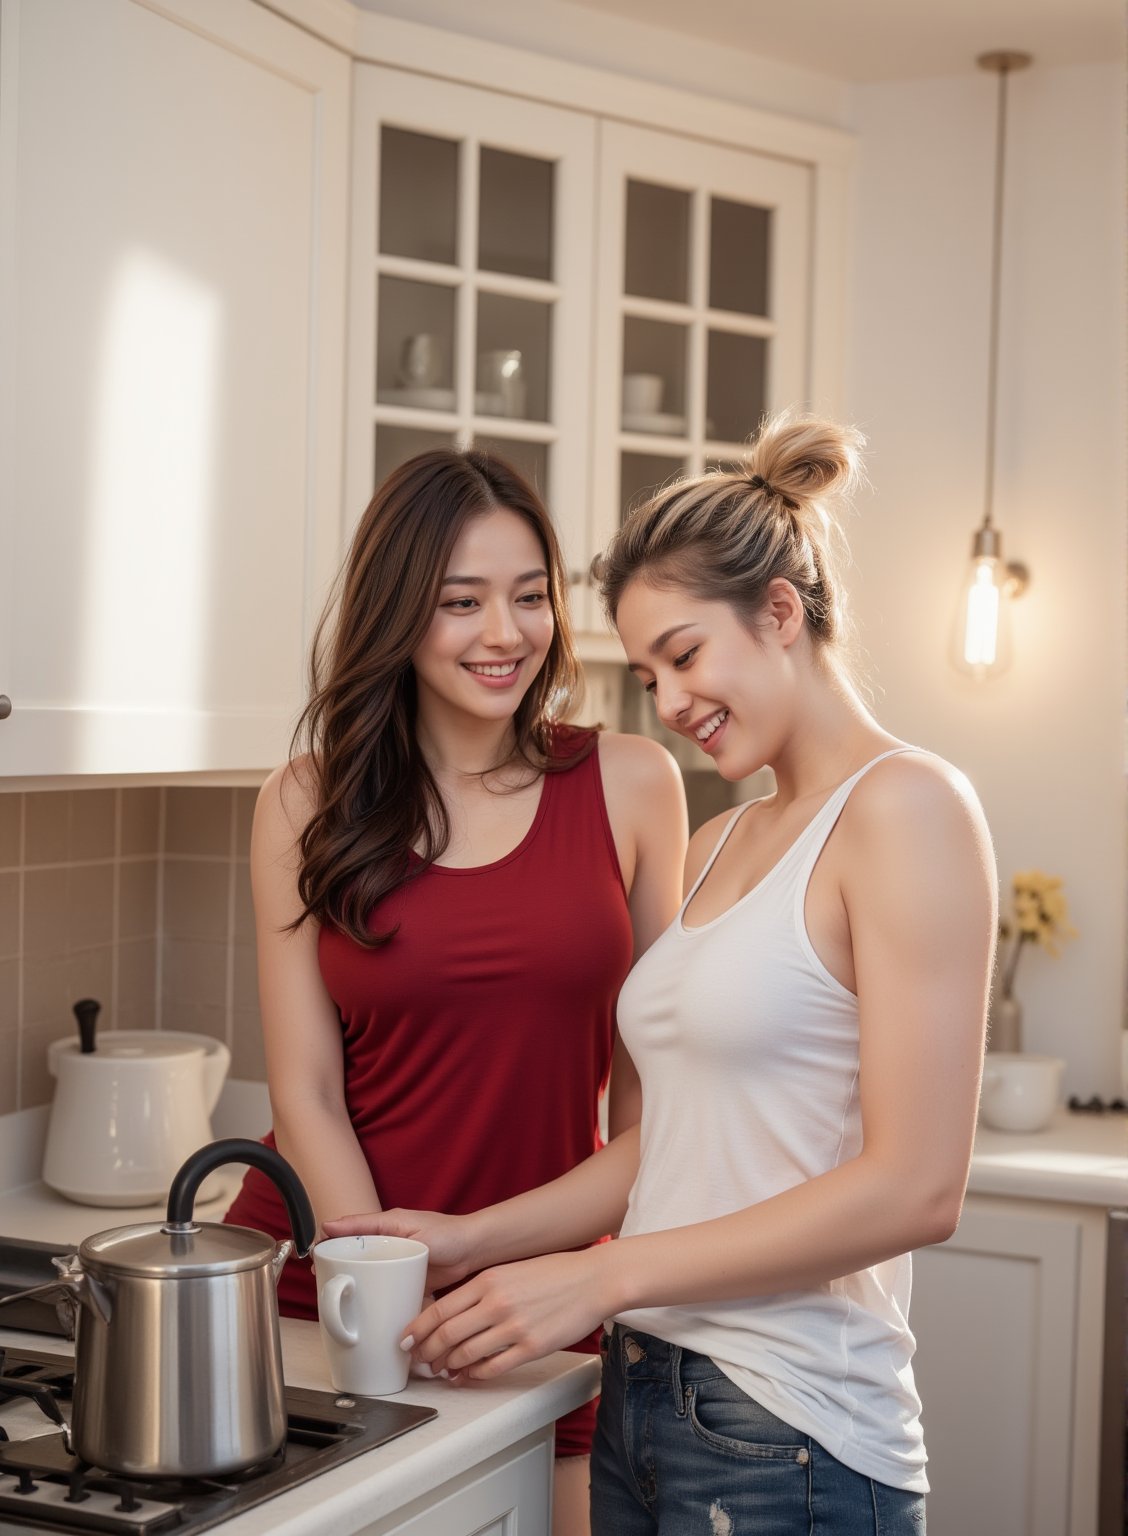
<point x="642" y="394"/>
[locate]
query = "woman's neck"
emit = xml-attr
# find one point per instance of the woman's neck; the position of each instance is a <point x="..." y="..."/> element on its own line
<point x="460" y="749"/>
<point x="834" y="735"/>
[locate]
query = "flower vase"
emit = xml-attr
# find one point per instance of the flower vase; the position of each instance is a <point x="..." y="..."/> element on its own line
<point x="1004" y="1024"/>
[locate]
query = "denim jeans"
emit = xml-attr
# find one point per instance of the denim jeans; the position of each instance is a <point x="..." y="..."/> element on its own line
<point x="680" y="1449"/>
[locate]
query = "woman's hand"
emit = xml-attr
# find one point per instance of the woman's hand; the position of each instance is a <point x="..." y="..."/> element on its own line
<point x="512" y="1314"/>
<point x="450" y="1239"/>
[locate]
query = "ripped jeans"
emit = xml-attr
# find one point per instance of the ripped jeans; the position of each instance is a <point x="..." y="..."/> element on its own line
<point x="680" y="1450"/>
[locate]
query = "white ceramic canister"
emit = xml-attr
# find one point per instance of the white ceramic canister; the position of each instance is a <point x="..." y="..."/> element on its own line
<point x="126" y="1115"/>
<point x="1020" y="1091"/>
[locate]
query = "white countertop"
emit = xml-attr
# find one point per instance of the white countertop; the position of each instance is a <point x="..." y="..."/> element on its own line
<point x="42" y="1216"/>
<point x="476" y="1420"/>
<point x="1078" y="1157"/>
<point x="1081" y="1158"/>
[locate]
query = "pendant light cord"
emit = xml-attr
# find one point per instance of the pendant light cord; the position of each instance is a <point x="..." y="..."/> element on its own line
<point x="996" y="287"/>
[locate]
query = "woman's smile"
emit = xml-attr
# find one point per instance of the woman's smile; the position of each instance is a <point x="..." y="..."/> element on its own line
<point x="709" y="732"/>
<point x="495" y="674"/>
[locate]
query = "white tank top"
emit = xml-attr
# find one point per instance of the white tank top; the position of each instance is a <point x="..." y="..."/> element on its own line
<point x="747" y="1048"/>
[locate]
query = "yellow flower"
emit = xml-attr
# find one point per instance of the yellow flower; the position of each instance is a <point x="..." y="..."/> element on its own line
<point x="1040" y="910"/>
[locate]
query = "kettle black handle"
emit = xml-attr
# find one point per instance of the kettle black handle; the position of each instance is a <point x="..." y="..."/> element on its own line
<point x="235" y="1149"/>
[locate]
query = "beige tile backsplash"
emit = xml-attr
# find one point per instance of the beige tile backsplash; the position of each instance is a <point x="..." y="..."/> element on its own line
<point x="138" y="897"/>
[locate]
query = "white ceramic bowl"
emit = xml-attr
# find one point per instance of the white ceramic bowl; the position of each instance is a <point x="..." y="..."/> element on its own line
<point x="1020" y="1091"/>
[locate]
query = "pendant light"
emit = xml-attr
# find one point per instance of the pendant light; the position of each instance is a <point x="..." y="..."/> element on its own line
<point x="981" y="638"/>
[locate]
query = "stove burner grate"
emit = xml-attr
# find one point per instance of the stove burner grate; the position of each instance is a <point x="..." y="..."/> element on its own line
<point x="43" y="1488"/>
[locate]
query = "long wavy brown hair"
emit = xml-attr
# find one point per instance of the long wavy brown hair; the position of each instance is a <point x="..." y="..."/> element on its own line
<point x="376" y="800"/>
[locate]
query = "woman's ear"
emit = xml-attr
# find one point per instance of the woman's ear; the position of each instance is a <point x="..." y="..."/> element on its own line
<point x="783" y="611"/>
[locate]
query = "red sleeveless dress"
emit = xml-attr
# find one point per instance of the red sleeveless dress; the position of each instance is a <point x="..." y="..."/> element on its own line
<point x="477" y="1041"/>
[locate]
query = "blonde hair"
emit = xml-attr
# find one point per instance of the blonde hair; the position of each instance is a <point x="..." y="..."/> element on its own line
<point x="725" y="535"/>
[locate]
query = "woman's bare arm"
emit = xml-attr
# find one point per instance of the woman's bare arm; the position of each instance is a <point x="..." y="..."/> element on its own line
<point x="645" y="801"/>
<point x="301" y="1027"/>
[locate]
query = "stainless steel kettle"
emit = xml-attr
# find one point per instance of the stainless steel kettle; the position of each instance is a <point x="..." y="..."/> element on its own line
<point x="178" y="1360"/>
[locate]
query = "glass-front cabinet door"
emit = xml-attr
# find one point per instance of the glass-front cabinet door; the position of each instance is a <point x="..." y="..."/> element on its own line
<point x="703" y="321"/>
<point x="703" y="307"/>
<point x="471" y="310"/>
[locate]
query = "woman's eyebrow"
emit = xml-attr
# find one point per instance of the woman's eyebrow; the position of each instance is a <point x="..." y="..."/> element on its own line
<point x="667" y="634"/>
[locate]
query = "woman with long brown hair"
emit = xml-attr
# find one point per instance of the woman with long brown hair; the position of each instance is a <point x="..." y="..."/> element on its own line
<point x="450" y="882"/>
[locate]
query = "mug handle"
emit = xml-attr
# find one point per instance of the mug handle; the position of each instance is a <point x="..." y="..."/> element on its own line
<point x="329" y="1300"/>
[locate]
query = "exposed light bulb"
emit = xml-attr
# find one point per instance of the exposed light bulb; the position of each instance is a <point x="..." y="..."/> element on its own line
<point x="981" y="639"/>
<point x="981" y="642"/>
<point x="981" y="627"/>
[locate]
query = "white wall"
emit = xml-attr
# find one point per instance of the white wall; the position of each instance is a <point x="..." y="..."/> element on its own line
<point x="1044" y="745"/>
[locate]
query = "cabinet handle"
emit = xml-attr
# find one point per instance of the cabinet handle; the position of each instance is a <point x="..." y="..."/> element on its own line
<point x="5" y="706"/>
<point x="576" y="578"/>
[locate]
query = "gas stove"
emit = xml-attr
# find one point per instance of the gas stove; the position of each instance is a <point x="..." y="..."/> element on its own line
<point x="42" y="1488"/>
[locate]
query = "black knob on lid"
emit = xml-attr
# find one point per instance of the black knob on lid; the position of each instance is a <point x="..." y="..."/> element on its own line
<point x="86" y="1011"/>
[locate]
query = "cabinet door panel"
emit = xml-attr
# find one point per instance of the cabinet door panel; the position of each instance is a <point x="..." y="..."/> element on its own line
<point x="703" y="318"/>
<point x="174" y="180"/>
<point x="993" y="1311"/>
<point x="509" y="1498"/>
<point x="484" y="202"/>
<point x="712" y="245"/>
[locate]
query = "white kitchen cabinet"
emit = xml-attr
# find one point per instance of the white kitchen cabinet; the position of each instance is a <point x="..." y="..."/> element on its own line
<point x="695" y="260"/>
<point x="509" y="1495"/>
<point x="173" y="206"/>
<point x="1007" y="1315"/>
<point x="704" y="284"/>
<point x="703" y="324"/>
<point x="179" y="465"/>
<point x="470" y="293"/>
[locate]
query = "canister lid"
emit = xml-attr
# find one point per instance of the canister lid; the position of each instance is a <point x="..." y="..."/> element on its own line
<point x="147" y="1249"/>
<point x="118" y="1045"/>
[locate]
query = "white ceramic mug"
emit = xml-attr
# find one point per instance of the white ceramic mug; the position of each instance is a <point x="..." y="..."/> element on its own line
<point x="1020" y="1091"/>
<point x="368" y="1290"/>
<point x="642" y="394"/>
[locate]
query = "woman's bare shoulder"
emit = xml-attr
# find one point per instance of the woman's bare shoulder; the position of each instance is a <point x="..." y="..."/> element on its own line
<point x="637" y="763"/>
<point x="286" y="803"/>
<point x="911" y="784"/>
<point x="644" y="794"/>
<point x="917" y="811"/>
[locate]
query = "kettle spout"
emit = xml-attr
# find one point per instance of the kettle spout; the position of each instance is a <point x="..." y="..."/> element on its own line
<point x="282" y="1252"/>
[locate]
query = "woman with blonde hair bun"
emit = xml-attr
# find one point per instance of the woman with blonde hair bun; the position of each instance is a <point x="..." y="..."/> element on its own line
<point x="808" y="1032"/>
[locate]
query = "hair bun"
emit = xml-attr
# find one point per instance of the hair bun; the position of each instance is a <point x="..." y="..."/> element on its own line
<point x="803" y="458"/>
